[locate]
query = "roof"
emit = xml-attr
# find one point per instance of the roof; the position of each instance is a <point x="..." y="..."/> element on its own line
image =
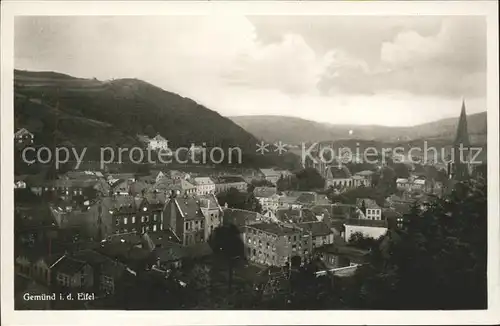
<point x="158" y="137"/>
<point x="188" y="207"/>
<point x="162" y="238"/>
<point x="338" y="172"/>
<point x="316" y="228"/>
<point x="342" y="250"/>
<point x="229" y="179"/>
<point x="69" y="266"/>
<point x="264" y="192"/>
<point x="171" y="252"/>
<point x="307" y="198"/>
<point x="365" y="173"/>
<point x="274" y="228"/>
<point x="270" y="172"/>
<point x="33" y="217"/>
<point x="366" y="222"/>
<point x="401" y="180"/>
<point x="203" y="181"/>
<point x="21" y="132"/>
<point x="369" y="203"/>
<point x="240" y="217"/>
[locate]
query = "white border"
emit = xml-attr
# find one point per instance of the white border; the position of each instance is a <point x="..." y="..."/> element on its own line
<point x="11" y="9"/>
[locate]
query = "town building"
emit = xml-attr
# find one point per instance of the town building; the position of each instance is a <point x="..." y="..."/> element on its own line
<point x="241" y="218"/>
<point x="321" y="234"/>
<point x="192" y="219"/>
<point x="273" y="175"/>
<point x="367" y="177"/>
<point x="368" y="228"/>
<point x="23" y="138"/>
<point x="339" y="177"/>
<point x="158" y="143"/>
<point x="369" y="209"/>
<point x="274" y="245"/>
<point x="204" y="185"/>
<point x="124" y="214"/>
<point x="180" y="186"/>
<point x="224" y="183"/>
<point x="267" y="197"/>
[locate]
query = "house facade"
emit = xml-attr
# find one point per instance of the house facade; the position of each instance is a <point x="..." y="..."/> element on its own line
<point x="204" y="186"/>
<point x="369" y="209"/>
<point x="274" y="245"/>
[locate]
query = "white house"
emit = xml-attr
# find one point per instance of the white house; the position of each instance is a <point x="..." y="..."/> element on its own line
<point x="267" y="197"/>
<point x="204" y="185"/>
<point x="372" y="210"/>
<point x="368" y="228"/>
<point x="158" y="143"/>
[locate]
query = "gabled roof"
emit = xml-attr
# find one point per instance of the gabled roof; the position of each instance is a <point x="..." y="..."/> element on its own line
<point x="188" y="207"/>
<point x="365" y="222"/>
<point x="338" y="172"/>
<point x="22" y="132"/>
<point x="240" y="217"/>
<point x="274" y="228"/>
<point x="316" y="228"/>
<point x="369" y="203"/>
<point x="158" y="137"/>
<point x="69" y="266"/>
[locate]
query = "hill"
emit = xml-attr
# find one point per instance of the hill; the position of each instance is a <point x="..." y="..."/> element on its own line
<point x="295" y="130"/>
<point x="61" y="109"/>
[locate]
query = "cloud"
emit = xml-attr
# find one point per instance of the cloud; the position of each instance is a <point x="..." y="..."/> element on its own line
<point x="450" y="63"/>
<point x="221" y="62"/>
<point x="289" y="65"/>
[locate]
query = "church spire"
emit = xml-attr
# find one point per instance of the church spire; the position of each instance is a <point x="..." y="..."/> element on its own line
<point x="461" y="166"/>
<point x="462" y="136"/>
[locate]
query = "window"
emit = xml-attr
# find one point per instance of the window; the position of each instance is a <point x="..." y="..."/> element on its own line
<point x="146" y="219"/>
<point x="142" y="219"/>
<point x="155" y="216"/>
<point x="133" y="219"/>
<point x="117" y="222"/>
<point x="187" y="226"/>
<point x="124" y="220"/>
<point x="154" y="227"/>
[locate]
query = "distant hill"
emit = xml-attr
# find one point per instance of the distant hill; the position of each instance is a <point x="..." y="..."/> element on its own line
<point x="61" y="109"/>
<point x="295" y="130"/>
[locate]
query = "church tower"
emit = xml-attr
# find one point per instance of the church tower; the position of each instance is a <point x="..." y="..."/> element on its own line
<point x="461" y="165"/>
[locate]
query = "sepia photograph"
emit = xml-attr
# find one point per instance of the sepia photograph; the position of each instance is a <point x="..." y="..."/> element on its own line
<point x="250" y="160"/>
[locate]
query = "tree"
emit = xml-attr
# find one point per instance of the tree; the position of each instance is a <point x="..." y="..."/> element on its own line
<point x="262" y="183"/>
<point x="236" y="199"/>
<point x="359" y="240"/>
<point x="439" y="257"/>
<point x="228" y="247"/>
<point x="309" y="179"/>
<point x="282" y="184"/>
<point x="401" y="170"/>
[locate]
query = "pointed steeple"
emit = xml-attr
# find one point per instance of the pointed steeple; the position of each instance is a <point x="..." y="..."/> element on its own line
<point x="462" y="136"/>
<point x="461" y="166"/>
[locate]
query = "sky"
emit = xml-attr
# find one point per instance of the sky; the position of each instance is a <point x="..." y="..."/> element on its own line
<point x="395" y="70"/>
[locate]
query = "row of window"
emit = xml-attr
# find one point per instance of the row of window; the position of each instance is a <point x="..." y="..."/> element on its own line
<point x="195" y="225"/>
<point x="144" y="219"/>
<point x="260" y="244"/>
<point x="143" y="229"/>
